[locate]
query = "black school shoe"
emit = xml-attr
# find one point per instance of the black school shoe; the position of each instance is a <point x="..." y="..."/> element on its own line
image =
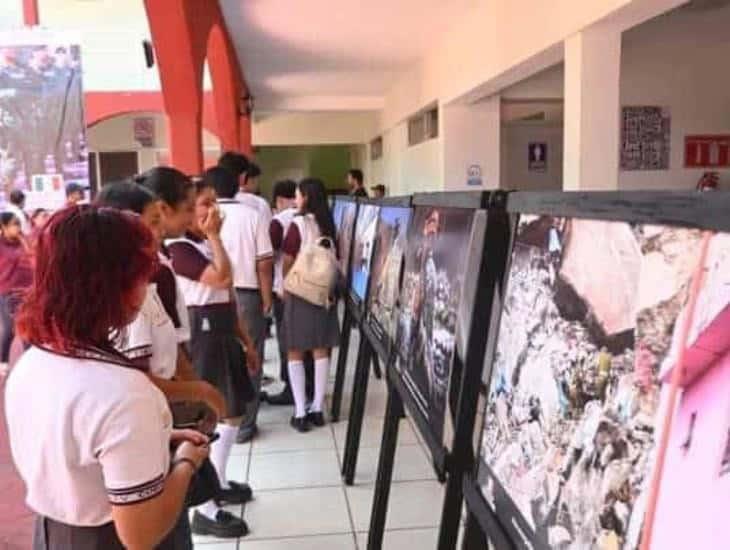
<point x="299" y="424"/>
<point x="238" y="493"/>
<point x="247" y="436"/>
<point x="316" y="419"/>
<point x="224" y="526"/>
<point x="284" y="397"/>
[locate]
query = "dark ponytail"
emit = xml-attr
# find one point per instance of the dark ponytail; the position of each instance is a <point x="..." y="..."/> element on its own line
<point x="317" y="205"/>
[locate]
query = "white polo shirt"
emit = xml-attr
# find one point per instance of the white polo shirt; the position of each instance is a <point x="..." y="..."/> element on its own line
<point x="152" y="336"/>
<point x="191" y="257"/>
<point x="278" y="229"/>
<point x="245" y="235"/>
<point x="257" y="203"/>
<point x="85" y="433"/>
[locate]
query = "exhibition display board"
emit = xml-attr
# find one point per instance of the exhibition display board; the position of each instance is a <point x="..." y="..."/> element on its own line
<point x="386" y="273"/>
<point x="375" y="244"/>
<point x="437" y="263"/>
<point x="366" y="227"/>
<point x="454" y="245"/>
<point x="344" y="213"/>
<point x="597" y="333"/>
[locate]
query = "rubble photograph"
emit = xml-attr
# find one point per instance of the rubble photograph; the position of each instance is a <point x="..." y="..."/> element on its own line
<point x="438" y="241"/>
<point x="390" y="246"/>
<point x="571" y="419"/>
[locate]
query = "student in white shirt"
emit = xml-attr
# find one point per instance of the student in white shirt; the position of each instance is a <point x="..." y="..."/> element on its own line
<point x="247" y="174"/>
<point x="285" y="205"/>
<point x="204" y="275"/>
<point x="308" y="327"/>
<point x="94" y="448"/>
<point x="175" y="209"/>
<point x="245" y="235"/>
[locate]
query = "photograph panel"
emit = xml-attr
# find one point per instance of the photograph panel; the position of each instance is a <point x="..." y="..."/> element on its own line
<point x="362" y="251"/>
<point x="589" y="316"/>
<point x="438" y="242"/>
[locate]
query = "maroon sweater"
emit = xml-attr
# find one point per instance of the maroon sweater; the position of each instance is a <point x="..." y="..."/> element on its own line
<point x="16" y="269"/>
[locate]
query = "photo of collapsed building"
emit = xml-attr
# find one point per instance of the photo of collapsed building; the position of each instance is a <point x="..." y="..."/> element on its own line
<point x="345" y="212"/>
<point x="571" y="422"/>
<point x="386" y="268"/>
<point x="438" y="241"/>
<point x="362" y="251"/>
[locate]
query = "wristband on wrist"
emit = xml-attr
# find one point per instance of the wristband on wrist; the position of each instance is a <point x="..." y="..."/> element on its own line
<point x="184" y="460"/>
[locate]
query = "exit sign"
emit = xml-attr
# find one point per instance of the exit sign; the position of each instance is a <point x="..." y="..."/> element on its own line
<point x="712" y="151"/>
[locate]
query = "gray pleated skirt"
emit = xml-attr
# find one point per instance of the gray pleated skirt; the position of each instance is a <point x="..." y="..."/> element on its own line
<point x="308" y="327"/>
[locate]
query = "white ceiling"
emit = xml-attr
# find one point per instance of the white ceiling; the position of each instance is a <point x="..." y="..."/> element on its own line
<point x="332" y="54"/>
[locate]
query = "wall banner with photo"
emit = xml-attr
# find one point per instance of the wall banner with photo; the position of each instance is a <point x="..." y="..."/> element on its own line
<point x="42" y="131"/>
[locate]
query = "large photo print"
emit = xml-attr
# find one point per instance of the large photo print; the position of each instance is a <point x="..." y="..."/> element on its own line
<point x="438" y="243"/>
<point x="362" y="250"/>
<point x="344" y="216"/>
<point x="386" y="269"/>
<point x="570" y="429"/>
<point x="42" y="129"/>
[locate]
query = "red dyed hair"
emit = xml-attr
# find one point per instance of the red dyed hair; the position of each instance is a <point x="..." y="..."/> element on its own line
<point x="88" y="263"/>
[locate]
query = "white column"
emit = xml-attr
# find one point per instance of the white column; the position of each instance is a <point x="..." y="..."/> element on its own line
<point x="592" y="109"/>
<point x="471" y="134"/>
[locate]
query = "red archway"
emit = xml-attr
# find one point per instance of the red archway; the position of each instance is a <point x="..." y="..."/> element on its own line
<point x="100" y="106"/>
<point x="185" y="33"/>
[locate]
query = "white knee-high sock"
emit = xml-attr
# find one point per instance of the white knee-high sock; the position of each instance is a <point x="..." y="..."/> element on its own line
<point x="298" y="388"/>
<point x="321" y="372"/>
<point x="209" y="509"/>
<point x="220" y="451"/>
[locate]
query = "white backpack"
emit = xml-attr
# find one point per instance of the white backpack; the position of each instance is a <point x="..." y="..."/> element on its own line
<point x="314" y="273"/>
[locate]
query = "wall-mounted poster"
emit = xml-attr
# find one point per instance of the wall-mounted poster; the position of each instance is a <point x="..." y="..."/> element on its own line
<point x="362" y="250"/>
<point x="344" y="215"/>
<point x="537" y="157"/>
<point x="645" y="138"/>
<point x="42" y="130"/>
<point x="386" y="269"/>
<point x="571" y="421"/>
<point x="438" y="241"/>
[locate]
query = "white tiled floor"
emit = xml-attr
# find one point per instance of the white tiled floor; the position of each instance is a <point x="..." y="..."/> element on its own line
<point x="300" y="501"/>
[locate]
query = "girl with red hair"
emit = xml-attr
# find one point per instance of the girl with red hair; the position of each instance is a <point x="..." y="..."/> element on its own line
<point x="93" y="449"/>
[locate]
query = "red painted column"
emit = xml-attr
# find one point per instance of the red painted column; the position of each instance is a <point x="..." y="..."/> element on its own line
<point x="180" y="61"/>
<point x="184" y="33"/>
<point x="30" y="13"/>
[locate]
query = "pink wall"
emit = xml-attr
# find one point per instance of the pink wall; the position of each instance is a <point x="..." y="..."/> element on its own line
<point x="694" y="500"/>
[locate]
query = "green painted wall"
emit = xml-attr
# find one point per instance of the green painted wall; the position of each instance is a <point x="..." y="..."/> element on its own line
<point x="329" y="163"/>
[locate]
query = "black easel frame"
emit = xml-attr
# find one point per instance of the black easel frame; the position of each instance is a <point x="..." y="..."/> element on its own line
<point x="471" y="340"/>
<point x="371" y="348"/>
<point x="347" y="324"/>
<point x="499" y="522"/>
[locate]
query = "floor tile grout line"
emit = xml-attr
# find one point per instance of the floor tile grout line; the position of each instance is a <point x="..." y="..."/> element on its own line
<point x="353" y="529"/>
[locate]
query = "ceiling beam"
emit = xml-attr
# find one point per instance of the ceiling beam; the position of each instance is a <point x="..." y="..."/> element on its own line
<point x="319" y="103"/>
